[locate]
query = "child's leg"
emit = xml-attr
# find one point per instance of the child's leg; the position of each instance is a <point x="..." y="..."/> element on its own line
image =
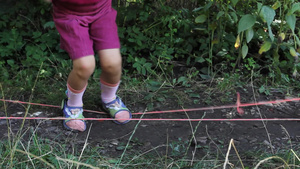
<point x="111" y="65"/>
<point x="83" y="68"/>
<point x="77" y="82"/>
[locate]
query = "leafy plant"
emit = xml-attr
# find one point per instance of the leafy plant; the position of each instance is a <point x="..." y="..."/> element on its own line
<point x="261" y="26"/>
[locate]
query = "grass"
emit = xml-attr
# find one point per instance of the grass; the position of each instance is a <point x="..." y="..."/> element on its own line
<point x="49" y="154"/>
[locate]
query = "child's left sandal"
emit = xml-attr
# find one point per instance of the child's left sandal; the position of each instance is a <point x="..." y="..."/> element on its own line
<point x="73" y="113"/>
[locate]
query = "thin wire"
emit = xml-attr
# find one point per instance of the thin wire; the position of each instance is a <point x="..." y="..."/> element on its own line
<point x="174" y="111"/>
<point x="237" y="105"/>
<point x="136" y="119"/>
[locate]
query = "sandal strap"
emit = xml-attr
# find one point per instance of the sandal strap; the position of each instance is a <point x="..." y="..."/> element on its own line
<point x="72" y="112"/>
<point x="115" y="106"/>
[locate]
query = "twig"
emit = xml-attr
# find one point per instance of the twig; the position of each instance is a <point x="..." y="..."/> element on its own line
<point x="7" y="121"/>
<point x="193" y="137"/>
<point x="85" y="144"/>
<point x="264" y="124"/>
<point x="290" y="165"/>
<point x="167" y="147"/>
<point x="269" y="158"/>
<point x="213" y="140"/>
<point x="232" y="142"/>
<point x="76" y="162"/>
<point x="134" y="130"/>
<point x="30" y="159"/>
<point x="12" y="153"/>
<point x="39" y="158"/>
<point x="287" y="134"/>
<point x="295" y="155"/>
<point x="227" y="155"/>
<point x="136" y="157"/>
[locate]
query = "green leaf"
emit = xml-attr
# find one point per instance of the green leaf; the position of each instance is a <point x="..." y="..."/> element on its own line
<point x="201" y="18"/>
<point x="244" y="50"/>
<point x="49" y="24"/>
<point x="221" y="13"/>
<point x="195" y="95"/>
<point x="223" y="52"/>
<point x="265" y="47"/>
<point x="276" y="5"/>
<point x="208" y="5"/>
<point x="246" y="22"/>
<point x="234" y="2"/>
<point x="143" y="71"/>
<point x="249" y="34"/>
<point x="293" y="52"/>
<point x="234" y="16"/>
<point x="131" y="40"/>
<point x="261" y="89"/>
<point x="295" y="7"/>
<point x="11" y="62"/>
<point x="200" y="59"/>
<point x="297" y="40"/>
<point x="268" y="14"/>
<point x="270" y="33"/>
<point x="291" y="21"/>
<point x="182" y="79"/>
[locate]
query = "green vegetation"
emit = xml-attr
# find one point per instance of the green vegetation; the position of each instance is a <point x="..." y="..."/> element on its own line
<point x="211" y="39"/>
<point x="164" y="45"/>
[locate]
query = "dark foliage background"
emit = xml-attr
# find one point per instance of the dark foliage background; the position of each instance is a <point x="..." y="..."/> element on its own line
<point x="177" y="40"/>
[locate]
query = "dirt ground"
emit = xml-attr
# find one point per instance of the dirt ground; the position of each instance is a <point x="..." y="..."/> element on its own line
<point x="211" y="137"/>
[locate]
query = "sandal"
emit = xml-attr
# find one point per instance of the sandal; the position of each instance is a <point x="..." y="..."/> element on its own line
<point x="72" y="113"/>
<point x="114" y="107"/>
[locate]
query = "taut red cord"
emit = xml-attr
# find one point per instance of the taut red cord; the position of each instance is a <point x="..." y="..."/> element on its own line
<point x="238" y="105"/>
<point x="137" y="119"/>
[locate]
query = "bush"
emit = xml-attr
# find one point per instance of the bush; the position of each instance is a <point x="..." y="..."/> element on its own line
<point x="216" y="37"/>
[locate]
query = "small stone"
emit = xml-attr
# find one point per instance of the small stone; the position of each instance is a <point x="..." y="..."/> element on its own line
<point x="80" y="142"/>
<point x="48" y="122"/>
<point x="236" y="142"/>
<point x="253" y="140"/>
<point x="114" y="142"/>
<point x="269" y="104"/>
<point x="2" y="122"/>
<point x="37" y="113"/>
<point x="120" y="148"/>
<point x="147" y="145"/>
<point x="52" y="129"/>
<point x="289" y="98"/>
<point x="201" y="140"/>
<point x="268" y="144"/>
<point x="103" y="151"/>
<point x="68" y="133"/>
<point x="243" y="140"/>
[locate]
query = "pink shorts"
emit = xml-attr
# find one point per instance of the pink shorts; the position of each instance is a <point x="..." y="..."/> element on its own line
<point x="81" y="35"/>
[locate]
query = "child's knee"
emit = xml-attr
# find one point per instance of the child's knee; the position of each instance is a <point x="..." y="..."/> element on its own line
<point x="112" y="67"/>
<point x="84" y="68"/>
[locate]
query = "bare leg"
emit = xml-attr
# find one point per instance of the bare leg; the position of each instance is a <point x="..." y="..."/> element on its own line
<point x="111" y="65"/>
<point x="83" y="68"/>
<point x="77" y="82"/>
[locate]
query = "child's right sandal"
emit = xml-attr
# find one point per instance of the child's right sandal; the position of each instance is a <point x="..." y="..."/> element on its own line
<point x="114" y="107"/>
